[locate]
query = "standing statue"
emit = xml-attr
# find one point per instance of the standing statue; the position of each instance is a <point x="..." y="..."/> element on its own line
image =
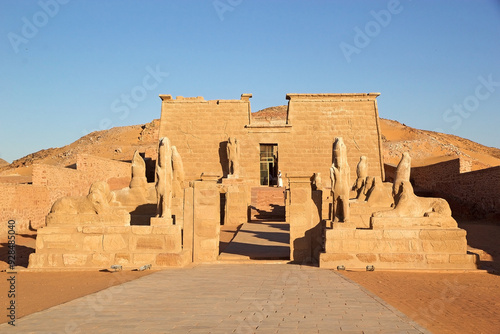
<point x="362" y="174"/>
<point x="164" y="179"/>
<point x="233" y="156"/>
<point x="280" y="179"/>
<point x="317" y="182"/>
<point x="402" y="173"/>
<point x="139" y="179"/>
<point x="178" y="173"/>
<point x="340" y="176"/>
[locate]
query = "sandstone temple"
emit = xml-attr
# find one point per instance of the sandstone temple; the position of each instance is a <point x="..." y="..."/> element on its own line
<point x="214" y="160"/>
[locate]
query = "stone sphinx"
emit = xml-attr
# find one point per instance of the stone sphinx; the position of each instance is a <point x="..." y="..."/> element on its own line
<point x="409" y="205"/>
<point x="99" y="207"/>
<point x="99" y="200"/>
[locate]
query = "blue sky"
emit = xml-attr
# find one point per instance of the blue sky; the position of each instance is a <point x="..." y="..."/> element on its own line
<point x="69" y="67"/>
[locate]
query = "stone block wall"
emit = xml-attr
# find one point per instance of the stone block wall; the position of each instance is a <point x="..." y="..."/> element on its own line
<point x="26" y="204"/>
<point x="101" y="247"/>
<point x="305" y="139"/>
<point x="116" y="173"/>
<point x="417" y="247"/>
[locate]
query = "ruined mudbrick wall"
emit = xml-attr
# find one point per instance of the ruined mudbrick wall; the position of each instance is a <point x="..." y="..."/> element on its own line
<point x="28" y="204"/>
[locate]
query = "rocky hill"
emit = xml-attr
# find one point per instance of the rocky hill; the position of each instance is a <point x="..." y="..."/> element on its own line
<point x="3" y="162"/>
<point x="119" y="143"/>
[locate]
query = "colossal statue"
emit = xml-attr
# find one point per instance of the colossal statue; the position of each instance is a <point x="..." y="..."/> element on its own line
<point x="340" y="179"/>
<point x="233" y="156"/>
<point x="164" y="178"/>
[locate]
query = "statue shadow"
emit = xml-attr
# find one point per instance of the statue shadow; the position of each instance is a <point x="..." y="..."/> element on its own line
<point x="482" y="239"/>
<point x="277" y="213"/>
<point x="142" y="214"/>
<point x="22" y="254"/>
<point x="223" y="159"/>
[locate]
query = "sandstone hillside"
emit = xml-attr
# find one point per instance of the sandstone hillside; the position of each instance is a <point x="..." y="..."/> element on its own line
<point x="3" y="162"/>
<point x="119" y="143"/>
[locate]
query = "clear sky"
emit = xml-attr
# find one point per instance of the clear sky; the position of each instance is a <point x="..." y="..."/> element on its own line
<point x="69" y="67"/>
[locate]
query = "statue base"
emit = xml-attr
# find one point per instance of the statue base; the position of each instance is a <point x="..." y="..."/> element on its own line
<point x="161" y="221"/>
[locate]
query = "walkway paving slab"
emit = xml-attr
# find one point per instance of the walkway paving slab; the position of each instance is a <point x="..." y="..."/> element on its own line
<point x="225" y="298"/>
<point x="262" y="240"/>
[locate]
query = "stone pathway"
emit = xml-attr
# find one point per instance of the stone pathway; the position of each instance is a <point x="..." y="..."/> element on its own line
<point x="259" y="240"/>
<point x="225" y="298"/>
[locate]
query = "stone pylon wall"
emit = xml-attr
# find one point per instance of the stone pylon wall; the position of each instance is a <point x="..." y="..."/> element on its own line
<point x="200" y="129"/>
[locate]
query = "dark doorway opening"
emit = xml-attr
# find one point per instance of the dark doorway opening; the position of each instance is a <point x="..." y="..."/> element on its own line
<point x="268" y="164"/>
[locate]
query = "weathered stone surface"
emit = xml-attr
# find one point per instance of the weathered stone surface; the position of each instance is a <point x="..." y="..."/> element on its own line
<point x="451" y="234"/>
<point x="114" y="242"/>
<point x="367" y="257"/>
<point x="93" y="243"/>
<point x="437" y="258"/>
<point x="123" y="258"/>
<point x="142" y="229"/>
<point x="403" y="258"/>
<point x="148" y="243"/>
<point x="59" y="241"/>
<point x="55" y="260"/>
<point x="102" y="259"/>
<point x="75" y="260"/>
<point x="142" y="259"/>
<point x="445" y="246"/>
<point x="173" y="259"/>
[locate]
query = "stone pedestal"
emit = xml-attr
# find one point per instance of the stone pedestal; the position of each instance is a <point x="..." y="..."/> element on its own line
<point x="236" y="206"/>
<point x="304" y="217"/>
<point x="398" y="243"/>
<point x="100" y="247"/>
<point x="206" y="219"/>
<point x="159" y="221"/>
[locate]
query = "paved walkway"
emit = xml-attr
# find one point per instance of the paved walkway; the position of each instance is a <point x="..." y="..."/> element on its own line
<point x="259" y="240"/>
<point x="225" y="298"/>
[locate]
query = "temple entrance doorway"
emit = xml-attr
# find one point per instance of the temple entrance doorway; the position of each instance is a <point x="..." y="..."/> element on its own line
<point x="268" y="165"/>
